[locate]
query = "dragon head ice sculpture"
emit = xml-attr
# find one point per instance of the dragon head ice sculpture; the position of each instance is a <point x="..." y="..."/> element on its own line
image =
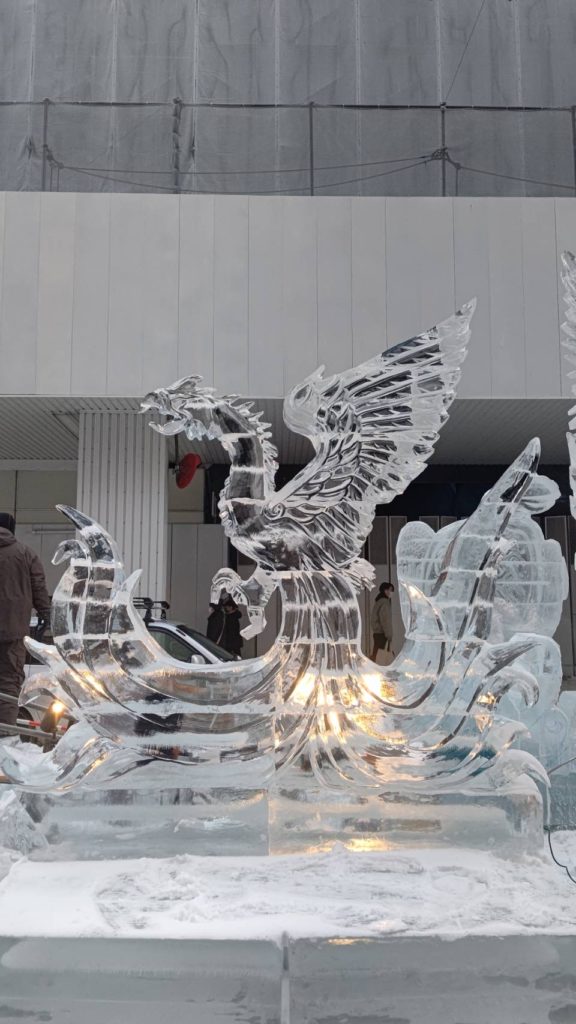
<point x="469" y="594"/>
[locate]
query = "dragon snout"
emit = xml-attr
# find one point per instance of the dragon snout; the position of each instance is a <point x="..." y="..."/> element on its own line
<point x="172" y="425"/>
<point x="157" y="401"/>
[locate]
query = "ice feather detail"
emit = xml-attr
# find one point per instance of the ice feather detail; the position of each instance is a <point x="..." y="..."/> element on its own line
<point x="372" y="429"/>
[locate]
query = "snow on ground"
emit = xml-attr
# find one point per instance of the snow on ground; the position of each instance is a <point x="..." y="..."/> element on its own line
<point x="448" y="893"/>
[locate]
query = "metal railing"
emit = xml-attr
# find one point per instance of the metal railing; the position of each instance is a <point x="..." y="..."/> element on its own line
<point x="292" y="149"/>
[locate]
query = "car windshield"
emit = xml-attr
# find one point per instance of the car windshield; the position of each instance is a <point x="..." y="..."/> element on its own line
<point x="209" y="645"/>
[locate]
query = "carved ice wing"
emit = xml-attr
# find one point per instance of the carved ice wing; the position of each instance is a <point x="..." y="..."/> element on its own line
<point x="373" y="429"/>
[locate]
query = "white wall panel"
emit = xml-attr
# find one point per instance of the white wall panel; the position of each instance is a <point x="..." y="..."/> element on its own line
<point x="196" y="287"/>
<point x="160" y="293"/>
<point x="508" y="358"/>
<point x="122" y="483"/>
<point x="419" y="265"/>
<point x="334" y="250"/>
<point x="472" y="280"/>
<point x="110" y="295"/>
<point x="126" y="295"/>
<point x="539" y="310"/>
<point x="266" y="312"/>
<point x="89" y="370"/>
<point x="18" y="320"/>
<point x="230" y="286"/>
<point x="368" y="279"/>
<point x="55" y="294"/>
<point x="298" y="332"/>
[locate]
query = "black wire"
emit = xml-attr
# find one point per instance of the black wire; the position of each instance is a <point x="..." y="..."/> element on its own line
<point x="549" y="829"/>
<point x="465" y="50"/>
<point x="368" y="177"/>
<point x="269" y="170"/>
<point x="305" y="188"/>
<point x="330" y="184"/>
<point x="561" y="765"/>
<point x="279" y="191"/>
<point x="513" y="177"/>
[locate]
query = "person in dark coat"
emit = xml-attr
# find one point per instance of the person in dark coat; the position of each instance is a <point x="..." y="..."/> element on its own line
<point x="381" y="621"/>
<point x="231" y="639"/>
<point x="215" y="624"/>
<point x="22" y="588"/>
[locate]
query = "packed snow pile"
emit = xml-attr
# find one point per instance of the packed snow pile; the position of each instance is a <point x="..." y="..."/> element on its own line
<point x="447" y="893"/>
<point x="19" y="833"/>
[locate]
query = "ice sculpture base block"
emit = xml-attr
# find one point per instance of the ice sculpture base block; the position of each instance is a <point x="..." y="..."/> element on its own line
<point x="123" y="822"/>
<point x="508" y="822"/>
<point x="134" y="822"/>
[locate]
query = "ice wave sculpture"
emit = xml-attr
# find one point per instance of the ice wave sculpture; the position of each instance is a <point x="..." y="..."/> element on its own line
<point x="431" y="719"/>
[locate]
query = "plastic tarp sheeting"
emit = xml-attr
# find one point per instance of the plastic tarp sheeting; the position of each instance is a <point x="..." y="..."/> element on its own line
<point x="139" y="55"/>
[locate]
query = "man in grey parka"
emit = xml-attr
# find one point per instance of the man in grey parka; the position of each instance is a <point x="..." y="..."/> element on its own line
<point x="22" y="588"/>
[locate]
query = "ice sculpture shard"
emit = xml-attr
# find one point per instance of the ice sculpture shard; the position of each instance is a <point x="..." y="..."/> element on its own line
<point x="569" y="330"/>
<point x="480" y="600"/>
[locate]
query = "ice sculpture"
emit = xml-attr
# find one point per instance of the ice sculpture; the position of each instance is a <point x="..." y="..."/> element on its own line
<point x="569" y="330"/>
<point x="480" y="603"/>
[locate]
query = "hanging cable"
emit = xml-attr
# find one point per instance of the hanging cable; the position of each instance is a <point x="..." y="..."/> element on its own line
<point x="274" y="170"/>
<point x="465" y="50"/>
<point x="549" y="831"/>
<point x="332" y="184"/>
<point x="554" y="828"/>
<point x="367" y="177"/>
<point x="513" y="177"/>
<point x="280" y="191"/>
<point x="561" y="765"/>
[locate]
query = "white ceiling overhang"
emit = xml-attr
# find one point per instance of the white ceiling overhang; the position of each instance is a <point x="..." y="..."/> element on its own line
<point x="479" y="431"/>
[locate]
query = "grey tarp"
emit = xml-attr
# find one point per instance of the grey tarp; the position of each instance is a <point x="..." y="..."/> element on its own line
<point x="142" y="54"/>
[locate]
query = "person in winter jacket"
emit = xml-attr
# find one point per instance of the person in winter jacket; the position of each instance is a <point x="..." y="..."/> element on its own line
<point x="215" y="624"/>
<point x="231" y="638"/>
<point x="22" y="588"/>
<point x="381" y="621"/>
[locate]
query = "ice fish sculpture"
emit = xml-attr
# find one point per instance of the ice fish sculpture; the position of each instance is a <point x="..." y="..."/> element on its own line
<point x="431" y="719"/>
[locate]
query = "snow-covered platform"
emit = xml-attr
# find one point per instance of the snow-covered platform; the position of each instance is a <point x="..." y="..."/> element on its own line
<point x="338" y="895"/>
<point x="411" y="937"/>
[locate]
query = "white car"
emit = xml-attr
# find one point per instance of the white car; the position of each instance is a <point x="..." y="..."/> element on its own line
<point x="187" y="644"/>
<point x="45" y="716"/>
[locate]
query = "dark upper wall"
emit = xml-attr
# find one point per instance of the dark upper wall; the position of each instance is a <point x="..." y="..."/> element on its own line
<point x="468" y="52"/>
<point x="285" y="51"/>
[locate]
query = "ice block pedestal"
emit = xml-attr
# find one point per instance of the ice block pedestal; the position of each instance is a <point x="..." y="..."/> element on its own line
<point x="108" y="824"/>
<point x="297" y="817"/>
<point x="305" y="818"/>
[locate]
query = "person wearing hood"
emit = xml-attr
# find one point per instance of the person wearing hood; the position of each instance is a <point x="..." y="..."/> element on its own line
<point x="22" y="588"/>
